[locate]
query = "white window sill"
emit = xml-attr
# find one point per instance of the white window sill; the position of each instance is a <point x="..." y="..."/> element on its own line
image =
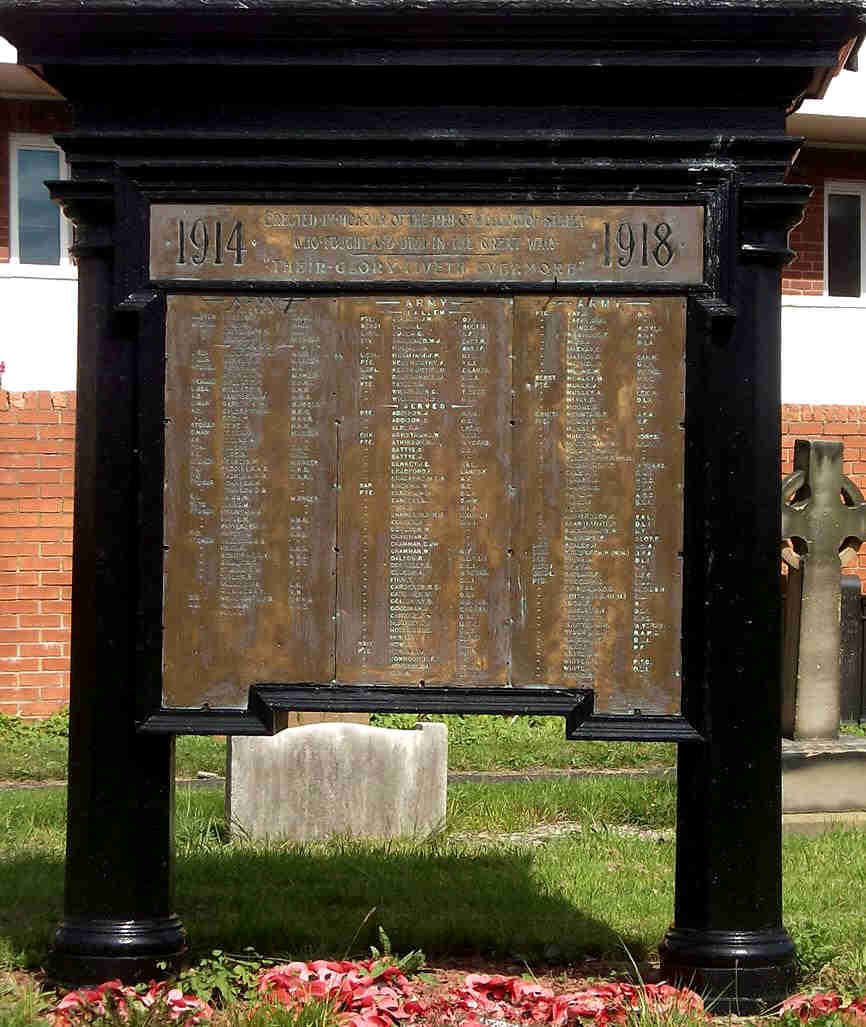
<point x="49" y="272"/>
<point x="825" y="302"/>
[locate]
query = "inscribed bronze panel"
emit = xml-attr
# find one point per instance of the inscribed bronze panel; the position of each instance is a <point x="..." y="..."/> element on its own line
<point x="250" y="496"/>
<point x="407" y="490"/>
<point x="598" y="474"/>
<point x="423" y="525"/>
<point x="337" y="243"/>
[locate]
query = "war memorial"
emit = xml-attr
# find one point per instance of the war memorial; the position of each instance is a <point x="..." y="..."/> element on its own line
<point x="429" y="361"/>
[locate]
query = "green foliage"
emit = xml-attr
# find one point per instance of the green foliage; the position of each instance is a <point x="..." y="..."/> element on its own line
<point x="790" y="1019"/>
<point x="313" y="1013"/>
<point x="223" y="978"/>
<point x="409" y="964"/>
<point x="845" y="974"/>
<point x="22" y="1004"/>
<point x="55" y="726"/>
<point x="199" y="752"/>
<point x="854" y="729"/>
<point x="814" y="947"/>
<point x="33" y="749"/>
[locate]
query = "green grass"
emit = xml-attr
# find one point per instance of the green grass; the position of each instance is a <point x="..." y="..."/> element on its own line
<point x="854" y="729"/>
<point x="575" y="896"/>
<point x="525" y="743"/>
<point x="522" y="805"/>
<point x="36" y="750"/>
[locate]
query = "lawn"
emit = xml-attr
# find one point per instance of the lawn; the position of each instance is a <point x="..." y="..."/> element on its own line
<point x="36" y="751"/>
<point x="548" y="899"/>
<point x="594" y="893"/>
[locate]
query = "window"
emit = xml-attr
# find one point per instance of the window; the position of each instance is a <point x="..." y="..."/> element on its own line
<point x="38" y="233"/>
<point x="844" y="250"/>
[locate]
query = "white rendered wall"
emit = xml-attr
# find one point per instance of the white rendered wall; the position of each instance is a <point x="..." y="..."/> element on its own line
<point x="38" y="322"/>
<point x="823" y="350"/>
<point x="823" y="340"/>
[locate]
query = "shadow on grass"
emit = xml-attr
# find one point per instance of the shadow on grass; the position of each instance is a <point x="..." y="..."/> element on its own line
<point x="317" y="902"/>
<point x="440" y="899"/>
<point x="31" y="903"/>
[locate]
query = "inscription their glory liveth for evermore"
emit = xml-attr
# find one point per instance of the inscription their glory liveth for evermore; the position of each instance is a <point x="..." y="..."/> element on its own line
<point x="340" y="244"/>
<point x="437" y="489"/>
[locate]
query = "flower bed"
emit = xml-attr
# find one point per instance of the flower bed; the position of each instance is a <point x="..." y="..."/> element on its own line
<point x="376" y="993"/>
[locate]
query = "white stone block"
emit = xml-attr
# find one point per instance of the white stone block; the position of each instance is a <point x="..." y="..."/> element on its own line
<point x="312" y="782"/>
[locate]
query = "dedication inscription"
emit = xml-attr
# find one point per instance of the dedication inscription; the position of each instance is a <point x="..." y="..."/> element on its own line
<point x="407" y="490"/>
<point x="521" y="245"/>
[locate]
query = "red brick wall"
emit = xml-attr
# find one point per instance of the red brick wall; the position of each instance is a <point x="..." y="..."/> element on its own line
<point x="39" y="117"/>
<point x="805" y="276"/>
<point x="37" y="432"/>
<point x="845" y="424"/>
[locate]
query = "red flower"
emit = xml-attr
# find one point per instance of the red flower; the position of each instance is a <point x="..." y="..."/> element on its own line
<point x="86" y="1004"/>
<point x="808" y="1006"/>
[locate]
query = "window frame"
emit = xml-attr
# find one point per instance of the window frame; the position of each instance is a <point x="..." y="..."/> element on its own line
<point x="33" y="141"/>
<point x="845" y="188"/>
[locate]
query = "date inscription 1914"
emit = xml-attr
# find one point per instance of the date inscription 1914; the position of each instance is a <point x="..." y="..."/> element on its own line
<point x="348" y="244"/>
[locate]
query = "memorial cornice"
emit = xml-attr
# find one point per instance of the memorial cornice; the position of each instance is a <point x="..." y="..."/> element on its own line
<point x="742" y="34"/>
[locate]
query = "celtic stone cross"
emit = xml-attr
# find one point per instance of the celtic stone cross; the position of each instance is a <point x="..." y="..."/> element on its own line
<point x="824" y="518"/>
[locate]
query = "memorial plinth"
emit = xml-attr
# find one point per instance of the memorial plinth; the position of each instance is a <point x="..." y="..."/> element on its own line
<point x="429" y="360"/>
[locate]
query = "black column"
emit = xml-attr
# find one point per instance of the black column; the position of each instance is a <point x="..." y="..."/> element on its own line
<point x="727" y="939"/>
<point x="118" y="914"/>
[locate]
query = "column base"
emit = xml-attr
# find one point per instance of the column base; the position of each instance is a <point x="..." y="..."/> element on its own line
<point x="89" y="951"/>
<point x="740" y="972"/>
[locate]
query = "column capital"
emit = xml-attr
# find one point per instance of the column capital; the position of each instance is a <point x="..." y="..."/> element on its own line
<point x="89" y="205"/>
<point x="768" y="212"/>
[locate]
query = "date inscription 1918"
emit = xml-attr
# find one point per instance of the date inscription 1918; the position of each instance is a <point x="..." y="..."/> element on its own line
<point x="530" y="245"/>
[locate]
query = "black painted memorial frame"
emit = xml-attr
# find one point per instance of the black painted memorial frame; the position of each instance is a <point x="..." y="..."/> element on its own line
<point x="746" y="62"/>
<point x="267" y="699"/>
<point x="711" y="320"/>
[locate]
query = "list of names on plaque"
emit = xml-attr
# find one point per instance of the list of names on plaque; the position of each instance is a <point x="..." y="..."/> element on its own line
<point x="424" y="490"/>
<point x="249" y="496"/>
<point x="599" y="387"/>
<point x="423" y="575"/>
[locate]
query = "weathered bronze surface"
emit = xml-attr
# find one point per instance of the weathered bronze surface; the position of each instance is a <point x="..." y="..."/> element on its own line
<point x="350" y="244"/>
<point x="250" y="515"/>
<point x="408" y="490"/>
<point x="424" y="459"/>
<point x="598" y="474"/>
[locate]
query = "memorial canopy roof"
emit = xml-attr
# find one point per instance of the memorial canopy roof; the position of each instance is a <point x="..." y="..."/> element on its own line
<point x="741" y="34"/>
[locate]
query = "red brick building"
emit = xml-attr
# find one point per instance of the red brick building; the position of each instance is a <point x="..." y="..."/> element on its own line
<point x="37" y="347"/>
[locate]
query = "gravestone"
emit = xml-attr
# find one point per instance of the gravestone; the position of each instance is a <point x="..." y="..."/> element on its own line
<point x="823" y="515"/>
<point x="320" y="780"/>
<point x="823" y="520"/>
<point x="429" y="361"/>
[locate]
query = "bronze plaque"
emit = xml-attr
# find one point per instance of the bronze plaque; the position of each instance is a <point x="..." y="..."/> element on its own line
<point x="250" y="484"/>
<point x="424" y="463"/>
<point x="352" y="244"/>
<point x="598" y="474"/>
<point x="413" y="490"/>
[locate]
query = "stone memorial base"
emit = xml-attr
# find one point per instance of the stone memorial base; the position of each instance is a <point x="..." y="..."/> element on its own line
<point x="319" y="780"/>
<point x="824" y="782"/>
